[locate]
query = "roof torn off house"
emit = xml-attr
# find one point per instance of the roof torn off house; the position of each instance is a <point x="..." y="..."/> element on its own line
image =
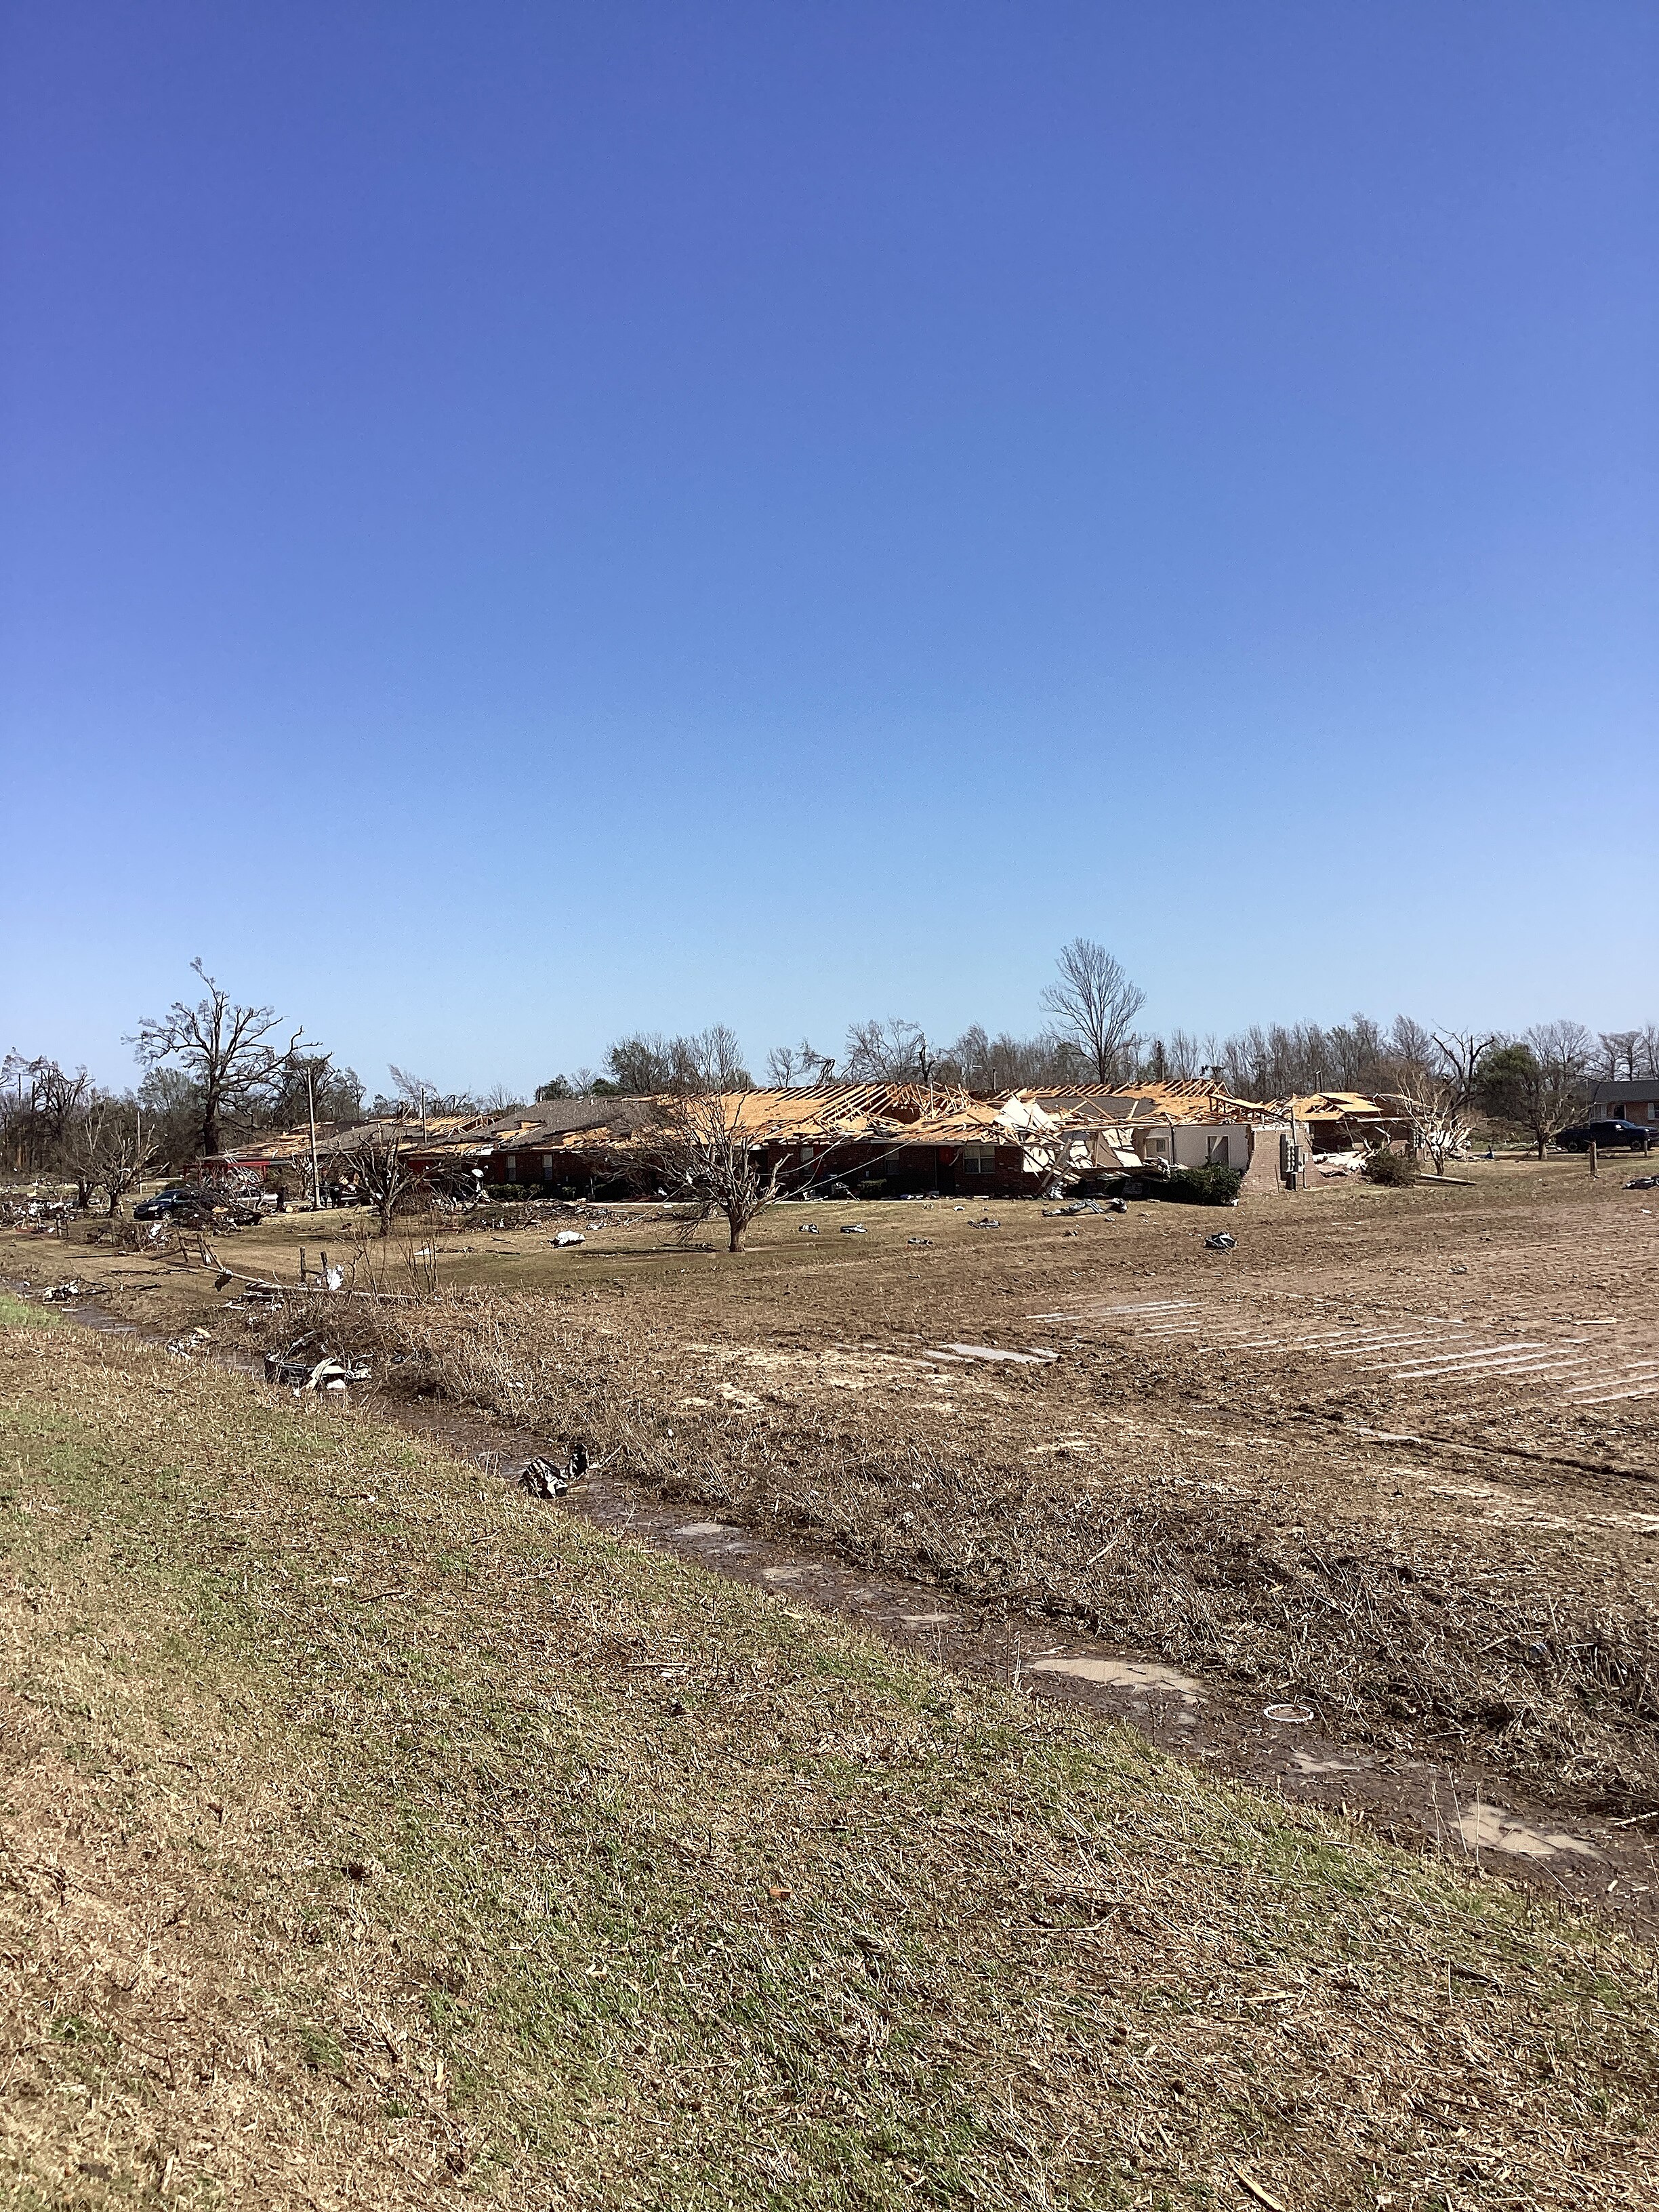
<point x="898" y="1140"/>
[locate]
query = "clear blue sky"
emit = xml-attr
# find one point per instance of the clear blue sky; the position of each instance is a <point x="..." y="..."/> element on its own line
<point x="521" y="521"/>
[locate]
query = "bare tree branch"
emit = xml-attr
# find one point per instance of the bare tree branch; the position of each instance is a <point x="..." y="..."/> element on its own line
<point x="378" y="1158"/>
<point x="1434" y="1106"/>
<point x="221" y="1046"/>
<point x="709" y="1162"/>
<point x="1095" y="1003"/>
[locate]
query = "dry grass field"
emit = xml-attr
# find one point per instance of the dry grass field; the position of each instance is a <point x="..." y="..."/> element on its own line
<point x="1394" y="1453"/>
<point x="375" y="1836"/>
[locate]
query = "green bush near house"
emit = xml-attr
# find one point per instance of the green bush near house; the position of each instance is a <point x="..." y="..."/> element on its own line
<point x="1393" y="1170"/>
<point x="1211" y="1185"/>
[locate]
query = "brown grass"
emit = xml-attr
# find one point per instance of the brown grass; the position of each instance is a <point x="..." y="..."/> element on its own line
<point x="1222" y="1545"/>
<point x="370" y="1833"/>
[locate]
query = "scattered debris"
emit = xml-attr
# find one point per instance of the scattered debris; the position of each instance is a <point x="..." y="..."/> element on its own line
<point x="1255" y="2189"/>
<point x="807" y="1229"/>
<point x="918" y="1240"/>
<point x="540" y="1477"/>
<point x="1642" y="1183"/>
<point x="316" y="1368"/>
<point x="1076" y="1205"/>
<point x="852" y="1229"/>
<point x="192" y="1341"/>
<point x="1329" y="1166"/>
<point x="1287" y="1715"/>
<point x="570" y="1237"/>
<point x="1121" y="1674"/>
<point x="1221" y="1242"/>
<point x="985" y="1221"/>
<point x="1490" y="1827"/>
<point x="1038" y="1356"/>
<point x="63" y="1294"/>
<point x="1117" y="1205"/>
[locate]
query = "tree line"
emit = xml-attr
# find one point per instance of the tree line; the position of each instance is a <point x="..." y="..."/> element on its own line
<point x="216" y="1070"/>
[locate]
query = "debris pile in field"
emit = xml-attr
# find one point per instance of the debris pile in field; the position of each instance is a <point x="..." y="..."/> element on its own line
<point x="309" y="1365"/>
<point x="542" y="1478"/>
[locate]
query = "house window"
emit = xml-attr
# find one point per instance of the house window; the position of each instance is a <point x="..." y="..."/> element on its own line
<point x="512" y="1167"/>
<point x="1157" y="1147"/>
<point x="547" y="1167"/>
<point x="979" y="1159"/>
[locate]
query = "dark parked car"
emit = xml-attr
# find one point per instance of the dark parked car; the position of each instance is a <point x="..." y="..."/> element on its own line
<point x="197" y="1207"/>
<point x="1605" y="1135"/>
<point x="166" y="1202"/>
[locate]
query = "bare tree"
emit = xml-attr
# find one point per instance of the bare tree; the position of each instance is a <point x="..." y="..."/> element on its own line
<point x="221" y="1046"/>
<point x="378" y="1157"/>
<point x="1460" y="1055"/>
<point x="1435" y="1106"/>
<point x="1095" y="1003"/>
<point x="309" y="1080"/>
<point x="1414" y="1050"/>
<point x="715" y="1058"/>
<point x="108" y="1148"/>
<point x="791" y="1064"/>
<point x="1619" y="1048"/>
<point x="884" y="1052"/>
<point x="977" y="1061"/>
<point x="647" y="1065"/>
<point x="1540" y="1081"/>
<point x="40" y="1101"/>
<point x="424" y="1099"/>
<point x="708" y="1160"/>
<point x="1190" y="1058"/>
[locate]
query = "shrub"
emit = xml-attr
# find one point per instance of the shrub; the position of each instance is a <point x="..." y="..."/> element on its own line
<point x="1393" y="1168"/>
<point x="1212" y="1185"/>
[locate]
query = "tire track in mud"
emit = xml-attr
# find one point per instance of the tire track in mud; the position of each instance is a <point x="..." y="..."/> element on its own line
<point x="1440" y="1351"/>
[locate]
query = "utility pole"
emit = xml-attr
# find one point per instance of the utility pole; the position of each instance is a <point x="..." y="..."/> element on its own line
<point x="310" y="1067"/>
<point x="311" y="1103"/>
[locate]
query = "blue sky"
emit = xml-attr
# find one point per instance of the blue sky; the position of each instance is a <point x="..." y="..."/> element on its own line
<point x="523" y="521"/>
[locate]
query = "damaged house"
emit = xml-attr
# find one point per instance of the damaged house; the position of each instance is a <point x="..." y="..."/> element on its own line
<point x="871" y="1139"/>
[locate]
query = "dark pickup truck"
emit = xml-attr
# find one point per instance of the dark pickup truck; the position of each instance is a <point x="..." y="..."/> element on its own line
<point x="1607" y="1136"/>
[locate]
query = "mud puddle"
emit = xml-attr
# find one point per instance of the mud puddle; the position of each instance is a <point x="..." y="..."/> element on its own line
<point x="1419" y="1799"/>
